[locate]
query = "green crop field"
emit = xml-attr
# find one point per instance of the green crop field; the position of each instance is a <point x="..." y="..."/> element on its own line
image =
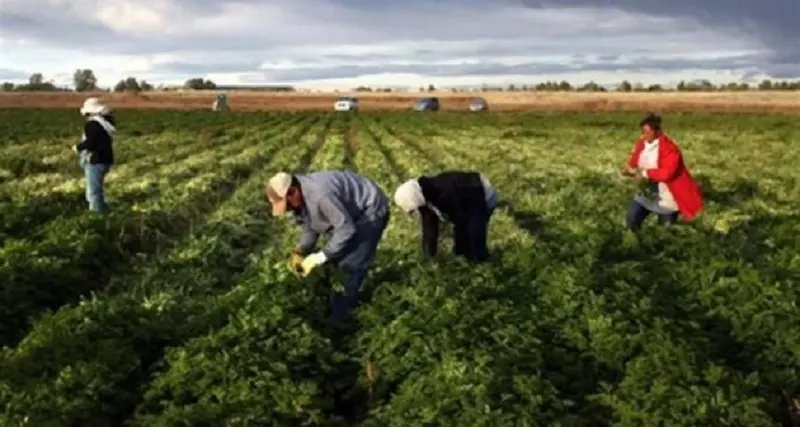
<point x="177" y="308"/>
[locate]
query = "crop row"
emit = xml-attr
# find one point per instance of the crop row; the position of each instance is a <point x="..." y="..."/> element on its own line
<point x="160" y="303"/>
<point x="576" y="322"/>
<point x="34" y="201"/>
<point x="76" y="254"/>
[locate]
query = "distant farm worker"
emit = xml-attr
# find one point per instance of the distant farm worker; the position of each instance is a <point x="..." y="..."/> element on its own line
<point x="467" y="199"/>
<point x="95" y="150"/>
<point x="352" y="210"/>
<point x="657" y="159"/>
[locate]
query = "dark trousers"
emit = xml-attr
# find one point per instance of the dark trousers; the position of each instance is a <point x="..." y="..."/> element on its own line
<point x="357" y="264"/>
<point x="470" y="239"/>
<point x="638" y="213"/>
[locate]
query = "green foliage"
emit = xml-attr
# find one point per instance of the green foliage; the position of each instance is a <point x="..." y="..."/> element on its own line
<point x="84" y="80"/>
<point x="178" y="309"/>
<point x="199" y="84"/>
<point x="36" y="83"/>
<point x="130" y="84"/>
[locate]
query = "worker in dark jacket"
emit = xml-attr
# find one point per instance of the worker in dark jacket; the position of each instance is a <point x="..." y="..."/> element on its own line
<point x="351" y="209"/>
<point x="96" y="151"/>
<point x="466" y="199"/>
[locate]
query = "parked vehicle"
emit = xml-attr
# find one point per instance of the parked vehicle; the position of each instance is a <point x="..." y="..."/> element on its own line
<point x="427" y="104"/>
<point x="346" y="103"/>
<point x="478" y="104"/>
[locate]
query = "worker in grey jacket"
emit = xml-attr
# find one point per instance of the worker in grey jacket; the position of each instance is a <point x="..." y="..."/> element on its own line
<point x="351" y="209"/>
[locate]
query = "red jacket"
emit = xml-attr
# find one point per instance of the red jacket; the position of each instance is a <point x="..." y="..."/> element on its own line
<point x="672" y="171"/>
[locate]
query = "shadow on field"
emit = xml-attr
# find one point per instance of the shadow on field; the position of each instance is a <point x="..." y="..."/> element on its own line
<point x="482" y="316"/>
<point x="558" y="243"/>
<point x="765" y="241"/>
<point x="344" y="382"/>
<point x="530" y="221"/>
<point x="103" y="246"/>
<point x="705" y="292"/>
<point x="25" y="166"/>
<point x="736" y="193"/>
<point x="29" y="220"/>
<point x="583" y="311"/>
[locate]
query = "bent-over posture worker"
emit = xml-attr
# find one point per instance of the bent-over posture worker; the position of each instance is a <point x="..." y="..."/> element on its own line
<point x="466" y="199"/>
<point x="96" y="150"/>
<point x="351" y="209"/>
<point x="658" y="159"/>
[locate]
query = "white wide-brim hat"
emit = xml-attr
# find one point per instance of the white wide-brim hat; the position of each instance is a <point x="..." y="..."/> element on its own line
<point x="93" y="106"/>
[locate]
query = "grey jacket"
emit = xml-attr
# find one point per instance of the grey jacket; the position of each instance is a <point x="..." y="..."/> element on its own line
<point x="335" y="203"/>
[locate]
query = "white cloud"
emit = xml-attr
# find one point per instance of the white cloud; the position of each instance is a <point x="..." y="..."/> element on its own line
<point x="351" y="42"/>
<point x="136" y="17"/>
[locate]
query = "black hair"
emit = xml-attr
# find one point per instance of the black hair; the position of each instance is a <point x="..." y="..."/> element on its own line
<point x="652" y="120"/>
<point x="295" y="182"/>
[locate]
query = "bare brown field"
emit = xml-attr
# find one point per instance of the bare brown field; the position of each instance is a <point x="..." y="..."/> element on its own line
<point x="498" y="101"/>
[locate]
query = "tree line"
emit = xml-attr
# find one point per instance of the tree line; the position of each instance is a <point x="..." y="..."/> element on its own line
<point x="624" y="86"/>
<point x="84" y="80"/>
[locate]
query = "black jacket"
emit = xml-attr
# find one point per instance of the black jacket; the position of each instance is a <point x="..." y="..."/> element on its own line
<point x="458" y="196"/>
<point x="98" y="142"/>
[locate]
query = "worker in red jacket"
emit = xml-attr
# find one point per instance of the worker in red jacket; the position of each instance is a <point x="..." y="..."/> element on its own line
<point x="656" y="158"/>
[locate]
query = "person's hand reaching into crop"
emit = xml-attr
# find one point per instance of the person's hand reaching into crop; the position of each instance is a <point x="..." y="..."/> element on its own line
<point x="296" y="261"/>
<point x="627" y="172"/>
<point x="311" y="262"/>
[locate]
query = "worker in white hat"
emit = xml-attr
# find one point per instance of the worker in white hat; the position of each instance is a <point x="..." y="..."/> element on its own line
<point x="465" y="198"/>
<point x="351" y="209"/>
<point x="96" y="150"/>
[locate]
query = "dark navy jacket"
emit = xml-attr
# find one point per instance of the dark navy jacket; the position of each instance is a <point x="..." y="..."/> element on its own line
<point x="458" y="196"/>
<point x="98" y="142"/>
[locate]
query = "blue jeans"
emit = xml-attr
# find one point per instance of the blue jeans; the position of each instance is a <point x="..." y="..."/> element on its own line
<point x="95" y="178"/>
<point x="638" y="213"/>
<point x="357" y="263"/>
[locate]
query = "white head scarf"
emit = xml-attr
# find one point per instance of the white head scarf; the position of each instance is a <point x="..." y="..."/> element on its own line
<point x="409" y="196"/>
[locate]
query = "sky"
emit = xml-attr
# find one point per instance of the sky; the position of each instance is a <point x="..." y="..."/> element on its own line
<point x="345" y="43"/>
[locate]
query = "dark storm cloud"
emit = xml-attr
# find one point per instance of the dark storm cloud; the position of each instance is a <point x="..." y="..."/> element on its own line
<point x="307" y="42"/>
<point x="774" y="21"/>
<point x="67" y="24"/>
<point x="65" y="31"/>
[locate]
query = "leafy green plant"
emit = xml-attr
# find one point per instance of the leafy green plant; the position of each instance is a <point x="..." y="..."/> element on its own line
<point x="178" y="308"/>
